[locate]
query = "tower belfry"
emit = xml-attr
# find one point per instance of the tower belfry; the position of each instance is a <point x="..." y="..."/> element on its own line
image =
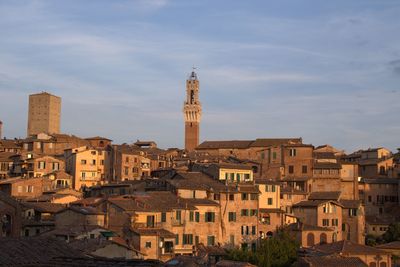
<point x="192" y="112"/>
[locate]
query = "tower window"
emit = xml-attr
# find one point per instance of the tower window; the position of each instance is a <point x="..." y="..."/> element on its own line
<point x="191" y="97"/>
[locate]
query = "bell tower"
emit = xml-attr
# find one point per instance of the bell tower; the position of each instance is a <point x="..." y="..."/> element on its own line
<point x="192" y="112"/>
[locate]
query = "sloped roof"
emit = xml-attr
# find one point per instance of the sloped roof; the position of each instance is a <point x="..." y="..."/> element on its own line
<point x="350" y="204"/>
<point x="240" y="144"/>
<point x="33" y="251"/>
<point x="329" y="195"/>
<point x="83" y="210"/>
<point x="391" y="245"/>
<point x="153" y="232"/>
<point x="347" y="247"/>
<point x="264" y="142"/>
<point x="97" y="138"/>
<point x="314" y="203"/>
<point x="324" y="155"/>
<point x="45" y="207"/>
<point x="333" y="260"/>
<point x="151" y="201"/>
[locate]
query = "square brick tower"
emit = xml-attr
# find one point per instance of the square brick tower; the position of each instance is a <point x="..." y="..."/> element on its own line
<point x="44" y="114"/>
<point x="192" y="112"/>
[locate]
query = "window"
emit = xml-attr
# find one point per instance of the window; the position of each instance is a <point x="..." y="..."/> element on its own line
<point x="29" y="189"/>
<point x="245" y="196"/>
<point x="352" y="212"/>
<point x="369" y="199"/>
<point x="93" y="152"/>
<point x="304" y="169"/>
<point x="273" y="188"/>
<point x="126" y="170"/>
<point x="150" y="221"/>
<point x="253" y="196"/>
<point x="187" y="239"/>
<point x="325" y="222"/>
<point x="244" y="212"/>
<point x="238" y="177"/>
<point x="56" y="166"/>
<point x="232" y="176"/>
<point x="163" y="216"/>
<point x="269" y="201"/>
<point x="178" y="215"/>
<point x="41" y="165"/>
<point x="93" y="162"/>
<point x="210" y="240"/>
<point x="274" y="155"/>
<point x="177" y="239"/>
<point x="83" y="161"/>
<point x="291" y="169"/>
<point x="247" y="177"/>
<point x="102" y="162"/>
<point x="335" y="222"/>
<point x="148" y="244"/>
<point x="292" y="152"/>
<point x="253" y="212"/>
<point x="197" y="216"/>
<point x="191" y="216"/>
<point x="83" y="174"/>
<point x="217" y="196"/>
<point x="127" y="159"/>
<point x="253" y="230"/>
<point x="196" y="239"/>
<point x="231" y="197"/>
<point x="232" y="216"/>
<point x="209" y="217"/>
<point x="91" y="236"/>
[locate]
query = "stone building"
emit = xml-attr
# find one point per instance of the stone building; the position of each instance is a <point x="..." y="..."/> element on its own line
<point x="44" y="114"/>
<point x="53" y="144"/>
<point x="88" y="166"/>
<point x="192" y="113"/>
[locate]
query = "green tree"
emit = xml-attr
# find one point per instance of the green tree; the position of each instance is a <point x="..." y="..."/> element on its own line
<point x="392" y="233"/>
<point x="277" y="251"/>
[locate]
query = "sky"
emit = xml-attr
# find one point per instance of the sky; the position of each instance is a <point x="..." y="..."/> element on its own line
<point x="326" y="71"/>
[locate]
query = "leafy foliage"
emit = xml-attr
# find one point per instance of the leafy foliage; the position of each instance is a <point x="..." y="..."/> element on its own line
<point x="392" y="233"/>
<point x="277" y="251"/>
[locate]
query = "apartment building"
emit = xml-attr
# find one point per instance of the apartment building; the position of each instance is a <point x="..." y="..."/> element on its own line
<point x="88" y="166"/>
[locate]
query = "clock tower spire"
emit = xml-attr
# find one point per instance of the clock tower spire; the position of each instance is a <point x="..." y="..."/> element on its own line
<point x="192" y="112"/>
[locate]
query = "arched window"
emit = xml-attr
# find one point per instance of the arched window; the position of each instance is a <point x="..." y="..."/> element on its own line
<point x="372" y="264"/>
<point x="323" y="238"/>
<point x="310" y="240"/>
<point x="382" y="264"/>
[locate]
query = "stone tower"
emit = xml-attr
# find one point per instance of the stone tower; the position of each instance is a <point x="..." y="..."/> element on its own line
<point x="192" y="113"/>
<point x="44" y="114"/>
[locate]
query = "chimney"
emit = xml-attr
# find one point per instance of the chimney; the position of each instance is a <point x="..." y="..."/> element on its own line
<point x="1" y="129"/>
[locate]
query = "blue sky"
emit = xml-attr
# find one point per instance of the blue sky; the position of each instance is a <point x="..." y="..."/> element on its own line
<point x="327" y="71"/>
